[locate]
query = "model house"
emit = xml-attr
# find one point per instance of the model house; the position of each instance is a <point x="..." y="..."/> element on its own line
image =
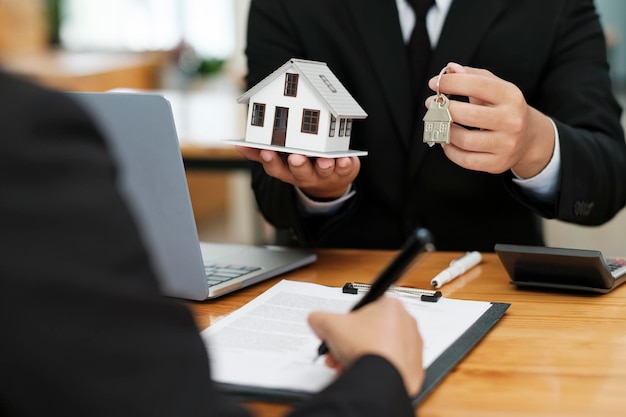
<point x="301" y="106"/>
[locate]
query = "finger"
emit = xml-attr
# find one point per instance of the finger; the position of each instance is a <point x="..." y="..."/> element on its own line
<point x="478" y="150"/>
<point x="251" y="154"/>
<point x="469" y="140"/>
<point x="275" y="166"/>
<point x="324" y="167"/>
<point x="267" y="156"/>
<point x="467" y="159"/>
<point x="318" y="322"/>
<point x="452" y="67"/>
<point x="325" y="325"/>
<point x="486" y="88"/>
<point x="460" y="69"/>
<point x="333" y="363"/>
<point x="297" y="160"/>
<point x="476" y="115"/>
<point x="472" y="114"/>
<point x="346" y="167"/>
<point x="301" y="168"/>
<point x="479" y="115"/>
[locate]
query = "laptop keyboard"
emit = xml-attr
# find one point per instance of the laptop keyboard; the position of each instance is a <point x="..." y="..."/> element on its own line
<point x="617" y="266"/>
<point x="218" y="273"/>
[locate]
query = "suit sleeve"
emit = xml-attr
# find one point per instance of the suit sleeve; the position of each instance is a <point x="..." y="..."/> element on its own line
<point x="576" y="93"/>
<point x="371" y="388"/>
<point x="85" y="329"/>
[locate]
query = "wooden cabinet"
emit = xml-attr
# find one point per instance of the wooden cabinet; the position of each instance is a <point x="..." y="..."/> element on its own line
<point x="23" y="26"/>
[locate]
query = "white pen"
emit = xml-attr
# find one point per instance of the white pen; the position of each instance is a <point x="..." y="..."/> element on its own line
<point x="456" y="268"/>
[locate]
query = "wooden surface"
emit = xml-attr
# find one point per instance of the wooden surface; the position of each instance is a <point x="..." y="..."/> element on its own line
<point x="23" y="26"/>
<point x="552" y="354"/>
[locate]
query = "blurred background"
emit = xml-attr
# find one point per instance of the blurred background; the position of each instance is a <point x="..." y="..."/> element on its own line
<point x="192" y="51"/>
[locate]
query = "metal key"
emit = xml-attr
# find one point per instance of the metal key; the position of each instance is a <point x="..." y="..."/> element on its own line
<point x="437" y="121"/>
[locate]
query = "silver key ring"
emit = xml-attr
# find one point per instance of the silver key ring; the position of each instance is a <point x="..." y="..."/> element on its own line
<point x="440" y="99"/>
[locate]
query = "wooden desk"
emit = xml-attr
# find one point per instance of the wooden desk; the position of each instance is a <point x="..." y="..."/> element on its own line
<point x="552" y="354"/>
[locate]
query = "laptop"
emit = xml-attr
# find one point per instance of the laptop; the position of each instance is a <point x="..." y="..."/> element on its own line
<point x="141" y="134"/>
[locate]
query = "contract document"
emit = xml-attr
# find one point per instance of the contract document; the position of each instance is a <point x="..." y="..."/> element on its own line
<point x="266" y="350"/>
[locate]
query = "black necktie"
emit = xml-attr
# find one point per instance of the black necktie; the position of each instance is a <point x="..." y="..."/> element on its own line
<point x="419" y="49"/>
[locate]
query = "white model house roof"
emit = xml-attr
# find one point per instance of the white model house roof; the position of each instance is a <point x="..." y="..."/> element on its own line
<point x="322" y="80"/>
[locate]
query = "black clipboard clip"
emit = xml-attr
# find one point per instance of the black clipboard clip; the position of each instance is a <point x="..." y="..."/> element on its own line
<point x="431" y="296"/>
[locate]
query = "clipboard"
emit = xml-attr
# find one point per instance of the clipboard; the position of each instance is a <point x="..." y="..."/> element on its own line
<point x="439" y="369"/>
<point x="435" y="372"/>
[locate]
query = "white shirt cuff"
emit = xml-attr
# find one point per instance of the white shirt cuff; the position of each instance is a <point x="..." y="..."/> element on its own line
<point x="544" y="184"/>
<point x="323" y="207"/>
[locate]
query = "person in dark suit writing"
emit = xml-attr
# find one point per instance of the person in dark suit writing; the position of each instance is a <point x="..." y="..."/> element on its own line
<point x="536" y="129"/>
<point x="85" y="331"/>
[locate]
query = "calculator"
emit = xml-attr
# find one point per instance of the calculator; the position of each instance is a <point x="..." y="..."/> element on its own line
<point x="561" y="268"/>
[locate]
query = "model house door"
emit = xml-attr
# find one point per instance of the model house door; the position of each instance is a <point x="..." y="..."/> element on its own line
<point x="280" y="126"/>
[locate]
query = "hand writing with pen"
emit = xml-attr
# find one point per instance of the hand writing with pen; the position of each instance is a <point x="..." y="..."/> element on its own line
<point x="383" y="328"/>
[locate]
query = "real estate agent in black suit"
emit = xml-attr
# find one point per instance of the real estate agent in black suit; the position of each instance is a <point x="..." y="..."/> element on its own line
<point x="85" y="331"/>
<point x="537" y="130"/>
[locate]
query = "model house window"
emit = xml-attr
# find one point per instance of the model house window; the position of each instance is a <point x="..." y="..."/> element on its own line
<point x="348" y="127"/>
<point x="328" y="84"/>
<point x="342" y="127"/>
<point x="333" y="125"/>
<point x="291" y="85"/>
<point x="310" y="121"/>
<point x="258" y="114"/>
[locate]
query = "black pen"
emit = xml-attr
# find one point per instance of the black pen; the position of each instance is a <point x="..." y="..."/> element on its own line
<point x="420" y="241"/>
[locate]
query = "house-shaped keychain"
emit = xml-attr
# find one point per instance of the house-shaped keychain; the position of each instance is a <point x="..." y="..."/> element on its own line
<point x="437" y="121"/>
<point x="301" y="108"/>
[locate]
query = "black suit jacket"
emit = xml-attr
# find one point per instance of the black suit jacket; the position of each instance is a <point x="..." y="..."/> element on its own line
<point x="553" y="51"/>
<point x="85" y="331"/>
